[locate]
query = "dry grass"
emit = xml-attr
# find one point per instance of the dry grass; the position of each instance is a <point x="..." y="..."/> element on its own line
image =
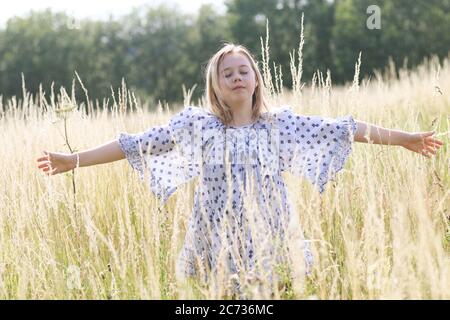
<point x="380" y="231"/>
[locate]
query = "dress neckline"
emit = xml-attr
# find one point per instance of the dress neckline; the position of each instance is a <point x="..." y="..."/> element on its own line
<point x="245" y="125"/>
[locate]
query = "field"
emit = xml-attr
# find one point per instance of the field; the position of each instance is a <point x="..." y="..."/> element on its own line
<point x="380" y="231"/>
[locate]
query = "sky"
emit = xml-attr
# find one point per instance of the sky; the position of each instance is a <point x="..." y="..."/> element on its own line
<point x="98" y="9"/>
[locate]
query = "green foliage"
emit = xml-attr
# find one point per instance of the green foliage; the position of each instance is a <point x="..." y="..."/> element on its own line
<point x="158" y="50"/>
<point x="409" y="31"/>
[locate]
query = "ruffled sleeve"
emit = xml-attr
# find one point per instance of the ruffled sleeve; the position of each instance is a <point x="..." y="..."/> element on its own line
<point x="167" y="156"/>
<point x="314" y="147"/>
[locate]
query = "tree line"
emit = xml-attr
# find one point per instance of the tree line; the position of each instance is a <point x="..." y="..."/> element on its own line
<point x="158" y="50"/>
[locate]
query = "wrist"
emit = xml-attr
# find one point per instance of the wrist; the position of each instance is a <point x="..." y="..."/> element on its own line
<point x="401" y="138"/>
<point x="74" y="160"/>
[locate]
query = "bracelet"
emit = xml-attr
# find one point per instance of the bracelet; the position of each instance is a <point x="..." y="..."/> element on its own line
<point x="78" y="160"/>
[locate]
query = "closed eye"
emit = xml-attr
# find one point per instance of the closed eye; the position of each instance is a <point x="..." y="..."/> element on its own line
<point x="229" y="75"/>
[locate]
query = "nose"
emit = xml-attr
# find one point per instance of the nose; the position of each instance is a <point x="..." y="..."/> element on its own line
<point x="237" y="78"/>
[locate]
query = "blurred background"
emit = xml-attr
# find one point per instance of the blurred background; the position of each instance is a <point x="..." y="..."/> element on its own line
<point x="159" y="46"/>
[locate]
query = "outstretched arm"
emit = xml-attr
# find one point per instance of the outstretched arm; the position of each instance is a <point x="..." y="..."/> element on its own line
<point x="420" y="142"/>
<point x="156" y="140"/>
<point x="53" y="162"/>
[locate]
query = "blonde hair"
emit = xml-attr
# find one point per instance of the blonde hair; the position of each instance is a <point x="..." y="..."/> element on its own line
<point x="214" y="103"/>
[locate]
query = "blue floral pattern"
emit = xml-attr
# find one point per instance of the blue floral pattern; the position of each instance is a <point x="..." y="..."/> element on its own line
<point x="240" y="183"/>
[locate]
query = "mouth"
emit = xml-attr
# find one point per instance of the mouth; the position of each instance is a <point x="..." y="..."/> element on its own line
<point x="240" y="87"/>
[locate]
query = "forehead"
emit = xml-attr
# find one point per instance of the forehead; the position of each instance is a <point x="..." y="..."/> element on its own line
<point x="234" y="60"/>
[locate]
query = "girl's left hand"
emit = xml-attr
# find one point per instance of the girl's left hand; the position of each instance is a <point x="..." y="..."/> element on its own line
<point x="422" y="143"/>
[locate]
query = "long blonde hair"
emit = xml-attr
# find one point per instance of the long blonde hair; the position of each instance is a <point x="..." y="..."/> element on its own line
<point x="216" y="105"/>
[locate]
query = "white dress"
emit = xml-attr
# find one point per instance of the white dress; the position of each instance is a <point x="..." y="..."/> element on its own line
<point x="242" y="217"/>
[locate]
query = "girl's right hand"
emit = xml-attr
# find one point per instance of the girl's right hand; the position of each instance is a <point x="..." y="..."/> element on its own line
<point x="53" y="163"/>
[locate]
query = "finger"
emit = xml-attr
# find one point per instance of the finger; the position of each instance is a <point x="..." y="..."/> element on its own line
<point x="437" y="141"/>
<point x="431" y="150"/>
<point x="42" y="159"/>
<point x="433" y="140"/>
<point x="434" y="145"/>
<point x="47" y="164"/>
<point x="437" y="146"/>
<point x="425" y="153"/>
<point x="431" y="143"/>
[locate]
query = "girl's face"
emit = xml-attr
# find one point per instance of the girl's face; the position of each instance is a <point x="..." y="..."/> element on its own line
<point x="237" y="80"/>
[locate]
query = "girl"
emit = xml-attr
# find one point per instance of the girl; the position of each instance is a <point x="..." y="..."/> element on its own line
<point x="242" y="223"/>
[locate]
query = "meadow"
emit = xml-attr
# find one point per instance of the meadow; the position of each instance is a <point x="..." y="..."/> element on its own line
<point x="379" y="231"/>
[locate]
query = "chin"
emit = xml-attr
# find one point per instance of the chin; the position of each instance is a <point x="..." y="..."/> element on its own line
<point x="240" y="98"/>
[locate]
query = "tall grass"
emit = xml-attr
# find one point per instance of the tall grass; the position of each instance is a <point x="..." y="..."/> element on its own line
<point x="380" y="231"/>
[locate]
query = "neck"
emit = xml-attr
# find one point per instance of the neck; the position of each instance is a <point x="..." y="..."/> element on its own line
<point x="242" y="115"/>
